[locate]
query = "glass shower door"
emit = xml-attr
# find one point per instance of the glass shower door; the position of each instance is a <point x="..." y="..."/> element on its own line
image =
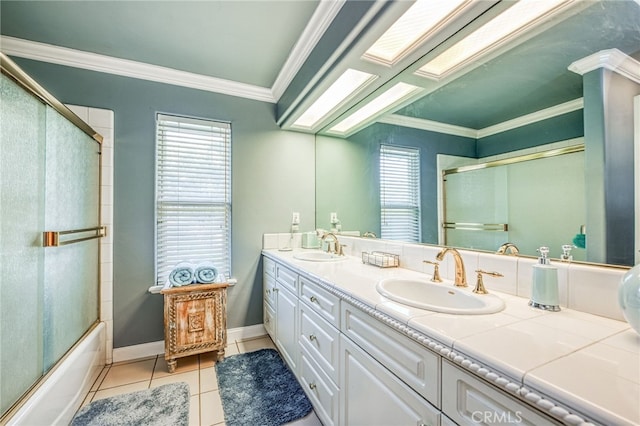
<point x="22" y="153"/>
<point x="49" y="181"/>
<point x="72" y="202"/>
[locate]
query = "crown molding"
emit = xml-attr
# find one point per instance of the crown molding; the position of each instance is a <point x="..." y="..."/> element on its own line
<point x="611" y="59"/>
<point x="435" y="126"/>
<point x="323" y="16"/>
<point x="534" y="117"/>
<point x="92" y="61"/>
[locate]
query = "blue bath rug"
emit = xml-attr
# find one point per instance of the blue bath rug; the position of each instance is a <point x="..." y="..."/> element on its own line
<point x="257" y="388"/>
<point x="166" y="405"/>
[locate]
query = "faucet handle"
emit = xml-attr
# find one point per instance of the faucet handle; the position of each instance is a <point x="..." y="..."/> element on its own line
<point x="436" y="271"/>
<point x="480" y="289"/>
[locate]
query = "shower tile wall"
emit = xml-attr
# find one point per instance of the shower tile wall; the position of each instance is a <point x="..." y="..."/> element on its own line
<point x="101" y="120"/>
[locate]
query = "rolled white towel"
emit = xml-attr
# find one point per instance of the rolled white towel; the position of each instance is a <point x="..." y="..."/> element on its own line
<point x="206" y="273"/>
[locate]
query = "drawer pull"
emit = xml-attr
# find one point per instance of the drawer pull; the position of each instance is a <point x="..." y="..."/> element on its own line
<point x="313" y="299"/>
<point x="268" y="291"/>
<point x="312" y="386"/>
<point x="312" y="337"/>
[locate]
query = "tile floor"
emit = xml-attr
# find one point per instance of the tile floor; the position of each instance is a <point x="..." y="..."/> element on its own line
<point x="197" y="370"/>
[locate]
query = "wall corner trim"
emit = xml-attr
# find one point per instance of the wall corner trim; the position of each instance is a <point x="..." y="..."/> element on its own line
<point x="611" y="59"/>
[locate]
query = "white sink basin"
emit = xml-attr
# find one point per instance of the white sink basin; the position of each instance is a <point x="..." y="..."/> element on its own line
<point x="318" y="256"/>
<point x="439" y="297"/>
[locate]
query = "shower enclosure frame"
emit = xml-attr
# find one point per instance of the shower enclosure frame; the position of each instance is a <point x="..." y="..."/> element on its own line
<point x="52" y="238"/>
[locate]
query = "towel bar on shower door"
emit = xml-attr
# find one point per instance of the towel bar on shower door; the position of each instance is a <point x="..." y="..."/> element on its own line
<point x="52" y="238"/>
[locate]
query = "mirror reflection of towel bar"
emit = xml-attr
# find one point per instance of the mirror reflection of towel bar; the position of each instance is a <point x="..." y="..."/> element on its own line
<point x="52" y="238"/>
<point x="476" y="226"/>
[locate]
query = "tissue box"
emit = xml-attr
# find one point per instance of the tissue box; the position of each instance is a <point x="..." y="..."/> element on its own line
<point x="310" y="240"/>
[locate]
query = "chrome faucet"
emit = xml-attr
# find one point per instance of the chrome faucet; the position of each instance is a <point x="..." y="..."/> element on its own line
<point x="461" y="278"/>
<point x="513" y="250"/>
<point x="336" y="248"/>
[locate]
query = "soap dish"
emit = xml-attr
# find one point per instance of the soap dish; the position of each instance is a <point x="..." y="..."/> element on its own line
<point x="381" y="259"/>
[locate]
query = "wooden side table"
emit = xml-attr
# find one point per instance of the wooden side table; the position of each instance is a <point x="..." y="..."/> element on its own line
<point x="195" y="321"/>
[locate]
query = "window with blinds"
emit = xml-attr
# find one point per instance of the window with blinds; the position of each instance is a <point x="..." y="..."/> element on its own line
<point x="400" y="193"/>
<point x="193" y="193"/>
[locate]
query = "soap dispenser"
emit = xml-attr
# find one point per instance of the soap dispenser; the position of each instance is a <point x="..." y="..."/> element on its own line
<point x="544" y="287"/>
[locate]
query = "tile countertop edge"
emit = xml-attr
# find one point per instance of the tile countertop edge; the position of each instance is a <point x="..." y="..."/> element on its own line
<point x="528" y="394"/>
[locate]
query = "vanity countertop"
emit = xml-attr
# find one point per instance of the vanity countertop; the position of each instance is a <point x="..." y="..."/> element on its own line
<point x="585" y="362"/>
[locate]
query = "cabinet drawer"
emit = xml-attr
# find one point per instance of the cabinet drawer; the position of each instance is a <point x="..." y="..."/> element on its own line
<point x="321" y="340"/>
<point x="269" y="320"/>
<point x="269" y="266"/>
<point x="323" y="393"/>
<point x="411" y="362"/>
<point x="468" y="400"/>
<point x="371" y="395"/>
<point x="287" y="278"/>
<point x="321" y="301"/>
<point x="268" y="293"/>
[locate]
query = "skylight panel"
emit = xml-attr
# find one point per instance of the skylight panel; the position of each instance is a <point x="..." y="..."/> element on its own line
<point x="386" y="100"/>
<point x="348" y="84"/>
<point x="523" y="15"/>
<point x="412" y="28"/>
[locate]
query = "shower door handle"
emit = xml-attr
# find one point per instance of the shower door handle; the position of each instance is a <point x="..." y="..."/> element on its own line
<point x="52" y="238"/>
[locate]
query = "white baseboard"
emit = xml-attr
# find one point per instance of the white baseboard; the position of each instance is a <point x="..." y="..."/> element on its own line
<point x="145" y="350"/>
<point x="245" y="333"/>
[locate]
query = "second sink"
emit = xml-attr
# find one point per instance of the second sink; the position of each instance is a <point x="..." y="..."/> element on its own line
<point x="440" y="297"/>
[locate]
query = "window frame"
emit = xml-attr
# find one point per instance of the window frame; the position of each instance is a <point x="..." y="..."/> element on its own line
<point x="226" y="269"/>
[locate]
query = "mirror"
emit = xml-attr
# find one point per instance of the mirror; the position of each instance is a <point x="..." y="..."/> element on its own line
<point x="526" y="98"/>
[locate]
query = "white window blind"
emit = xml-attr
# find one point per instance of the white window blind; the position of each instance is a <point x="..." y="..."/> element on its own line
<point x="193" y="194"/>
<point x="400" y="193"/>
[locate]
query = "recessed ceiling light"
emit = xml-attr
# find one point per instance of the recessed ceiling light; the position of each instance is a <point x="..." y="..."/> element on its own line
<point x="520" y="17"/>
<point x="412" y="28"/>
<point x="349" y="83"/>
<point x="386" y="100"/>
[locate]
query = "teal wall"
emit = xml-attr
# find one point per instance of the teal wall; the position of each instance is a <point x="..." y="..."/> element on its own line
<point x="273" y="175"/>
<point x="562" y="127"/>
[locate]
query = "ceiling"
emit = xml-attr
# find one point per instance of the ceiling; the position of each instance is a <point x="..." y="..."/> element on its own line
<point x="268" y="46"/>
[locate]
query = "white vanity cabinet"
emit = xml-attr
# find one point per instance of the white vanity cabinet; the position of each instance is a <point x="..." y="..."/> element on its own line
<point x="269" y="297"/>
<point x="468" y="400"/>
<point x="319" y="337"/>
<point x="358" y="367"/>
<point x="287" y="315"/>
<point x="280" y="309"/>
<point x="371" y="395"/>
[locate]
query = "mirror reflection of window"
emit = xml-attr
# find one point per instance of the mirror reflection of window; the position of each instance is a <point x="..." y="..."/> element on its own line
<point x="400" y="193"/>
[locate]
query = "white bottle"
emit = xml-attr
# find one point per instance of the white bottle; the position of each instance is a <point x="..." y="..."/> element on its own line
<point x="544" y="286"/>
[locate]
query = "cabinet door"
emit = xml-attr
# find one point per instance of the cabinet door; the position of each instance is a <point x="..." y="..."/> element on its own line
<point x="269" y="320"/>
<point x="286" y="329"/>
<point x="469" y="401"/>
<point x="371" y="395"/>
<point x="417" y="366"/>
<point x="268" y="284"/>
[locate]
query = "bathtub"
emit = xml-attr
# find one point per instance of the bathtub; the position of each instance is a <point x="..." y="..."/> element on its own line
<point x="57" y="399"/>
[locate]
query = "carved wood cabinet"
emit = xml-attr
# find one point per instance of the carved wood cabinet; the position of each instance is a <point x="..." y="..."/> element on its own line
<point x="195" y="321"/>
